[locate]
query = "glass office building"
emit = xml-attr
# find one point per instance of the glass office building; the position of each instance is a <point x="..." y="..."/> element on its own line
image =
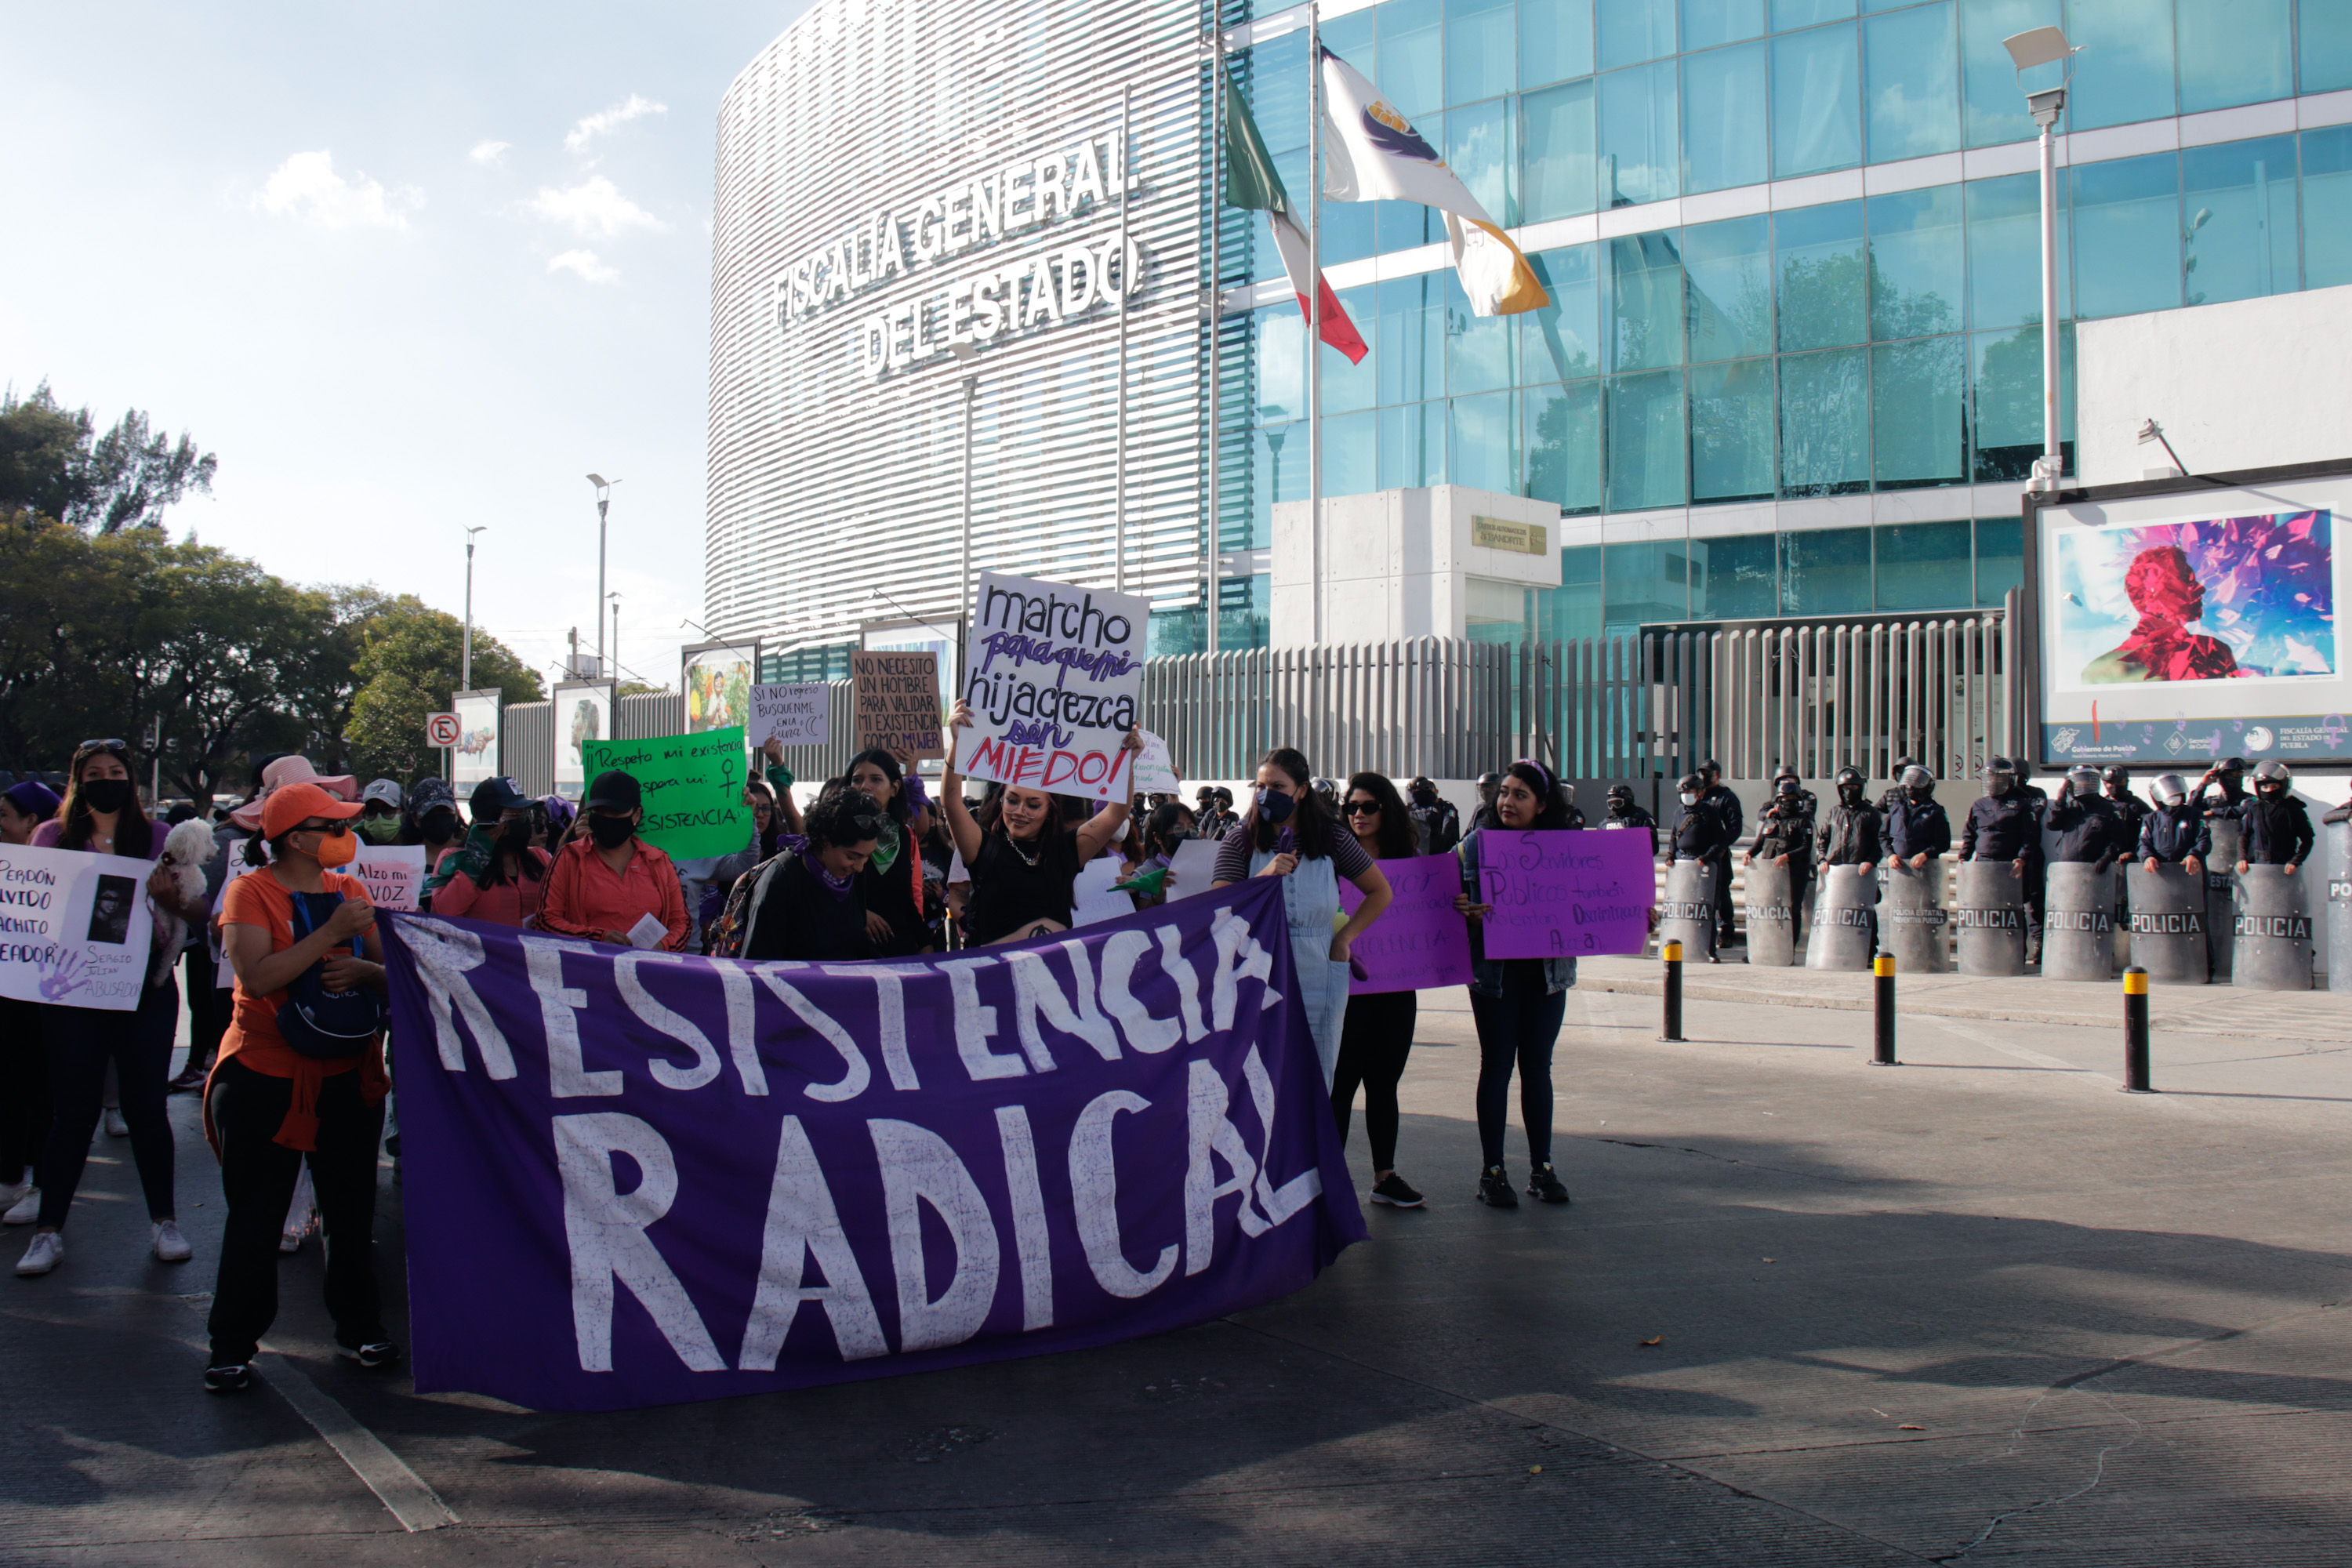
<point x="1791" y="365"/>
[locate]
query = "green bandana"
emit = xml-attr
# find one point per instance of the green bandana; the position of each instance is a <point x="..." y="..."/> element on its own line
<point x="886" y="846"/>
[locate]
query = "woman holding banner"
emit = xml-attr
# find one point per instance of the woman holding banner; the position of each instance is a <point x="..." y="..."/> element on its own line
<point x="807" y="905"/>
<point x="1285" y="832"/>
<point x="1377" y="1036"/>
<point x="1024" y="865"/>
<point x="891" y="879"/>
<point x="1517" y="1002"/>
<point x="100" y="815"/>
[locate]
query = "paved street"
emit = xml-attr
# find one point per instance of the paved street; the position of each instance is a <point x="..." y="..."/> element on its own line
<point x="1980" y="1307"/>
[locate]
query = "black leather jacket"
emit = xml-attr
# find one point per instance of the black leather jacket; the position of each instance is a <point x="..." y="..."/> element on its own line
<point x="1852" y="836"/>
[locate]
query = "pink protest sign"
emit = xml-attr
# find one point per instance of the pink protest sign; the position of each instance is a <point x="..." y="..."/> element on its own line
<point x="1558" y="894"/>
<point x="1421" y="940"/>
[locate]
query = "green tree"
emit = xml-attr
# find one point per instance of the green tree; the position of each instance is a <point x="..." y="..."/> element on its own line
<point x="407" y="667"/>
<point x="53" y="464"/>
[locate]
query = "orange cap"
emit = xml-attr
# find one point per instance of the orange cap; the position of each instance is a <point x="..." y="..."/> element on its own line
<point x="289" y="805"/>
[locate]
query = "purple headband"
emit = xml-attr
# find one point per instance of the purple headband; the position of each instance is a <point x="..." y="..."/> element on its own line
<point x="1552" y="784"/>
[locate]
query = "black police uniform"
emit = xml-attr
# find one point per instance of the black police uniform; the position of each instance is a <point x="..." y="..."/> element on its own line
<point x="1726" y="805"/>
<point x="2276" y="832"/>
<point x="1918" y="827"/>
<point x="1788" y="830"/>
<point x="1440" y="825"/>
<point x="2007" y="827"/>
<point x="1632" y="815"/>
<point x="2091" y="831"/>
<point x="2170" y="834"/>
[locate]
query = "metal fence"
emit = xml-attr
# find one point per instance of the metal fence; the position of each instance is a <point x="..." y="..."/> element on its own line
<point x="1816" y="694"/>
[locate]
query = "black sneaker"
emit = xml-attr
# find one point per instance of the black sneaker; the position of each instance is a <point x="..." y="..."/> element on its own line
<point x="1495" y="1188"/>
<point x="1393" y="1190"/>
<point x="373" y="1354"/>
<point x="1544" y="1183"/>
<point x="233" y="1379"/>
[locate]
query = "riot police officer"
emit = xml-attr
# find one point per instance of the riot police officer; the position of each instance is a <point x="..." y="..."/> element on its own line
<point x="2002" y="825"/>
<point x="1784" y="836"/>
<point x="1894" y="794"/>
<point x="1788" y="773"/>
<point x="1625" y="813"/>
<point x="1490" y="786"/>
<point x="1440" y="824"/>
<point x="2090" y="828"/>
<point x="2222" y="791"/>
<point x="2173" y="832"/>
<point x="1918" y="830"/>
<point x="2277" y="829"/>
<point x="1699" y="834"/>
<point x="1853" y="832"/>
<point x="1714" y="794"/>
<point x="2128" y="807"/>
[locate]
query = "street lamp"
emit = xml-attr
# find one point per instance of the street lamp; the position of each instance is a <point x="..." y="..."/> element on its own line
<point x="466" y="660"/>
<point x="2041" y="46"/>
<point x="613" y="674"/>
<point x="603" y="499"/>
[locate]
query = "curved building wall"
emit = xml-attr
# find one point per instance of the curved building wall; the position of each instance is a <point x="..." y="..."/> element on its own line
<point x="877" y="208"/>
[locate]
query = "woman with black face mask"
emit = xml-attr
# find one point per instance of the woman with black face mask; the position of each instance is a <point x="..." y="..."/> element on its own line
<point x="432" y="821"/>
<point x="497" y="876"/>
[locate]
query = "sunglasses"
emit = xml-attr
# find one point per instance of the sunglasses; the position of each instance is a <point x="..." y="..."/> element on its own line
<point x="1363" y="808"/>
<point x="337" y="829"/>
<point x="102" y="746"/>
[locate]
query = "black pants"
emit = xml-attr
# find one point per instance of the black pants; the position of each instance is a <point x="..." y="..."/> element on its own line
<point x="24" y="1090"/>
<point x="1373" y="1050"/>
<point x="81" y="1042"/>
<point x="208" y="1005"/>
<point x="1516" y="1029"/>
<point x="1726" y="930"/>
<point x="257" y="1176"/>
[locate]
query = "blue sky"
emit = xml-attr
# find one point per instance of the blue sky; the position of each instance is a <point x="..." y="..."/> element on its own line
<point x="406" y="268"/>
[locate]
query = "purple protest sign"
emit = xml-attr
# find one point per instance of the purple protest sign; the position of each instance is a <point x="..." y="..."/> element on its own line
<point x="637" y="1178"/>
<point x="1421" y="940"/>
<point x="1558" y="894"/>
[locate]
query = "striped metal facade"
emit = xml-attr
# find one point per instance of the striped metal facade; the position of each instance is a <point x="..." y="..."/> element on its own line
<point x="824" y="484"/>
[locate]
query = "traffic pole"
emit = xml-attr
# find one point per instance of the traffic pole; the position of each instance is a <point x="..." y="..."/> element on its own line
<point x="1882" y="1048"/>
<point x="2135" y="1031"/>
<point x="1673" y="992"/>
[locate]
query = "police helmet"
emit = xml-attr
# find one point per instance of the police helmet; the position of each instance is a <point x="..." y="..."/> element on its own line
<point x="1787" y="785"/>
<point x="2117" y="775"/>
<point x="1999" y="775"/>
<point x="1850" y="778"/>
<point x="2084" y="779"/>
<point x="1917" y="779"/>
<point x="2271" y="771"/>
<point x="2233" y="764"/>
<point x="2172" y="788"/>
<point x="1785" y="771"/>
<point x="1490" y="781"/>
<point x="1621" y="792"/>
<point x="1691" y="784"/>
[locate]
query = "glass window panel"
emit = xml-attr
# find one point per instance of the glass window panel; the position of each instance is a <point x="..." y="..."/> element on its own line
<point x="1280" y="351"/>
<point x="1348" y="387"/>
<point x="1645" y="302"/>
<point x="1481" y="52"/>
<point x="1484" y="443"/>
<point x="1917" y="263"/>
<point x="2239" y="198"/>
<point x="1825" y="423"/>
<point x="1572" y="609"/>
<point x="1731" y="420"/>
<point x="1729" y="266"/>
<point x="1992" y="101"/>
<point x="1633" y="30"/>
<point x="2125" y="71"/>
<point x="1354" y="38"/>
<point x="1413" y="58"/>
<point x="1646" y="449"/>
<point x="1644" y="582"/>
<point x="1563" y="445"/>
<point x="2001" y="557"/>
<point x="1275" y="84"/>
<point x="2327" y="206"/>
<point x="2007" y="385"/>
<point x="1789" y="14"/>
<point x="1924" y="566"/>
<point x="2235" y="51"/>
<point x="1278" y="473"/>
<point x="1706" y="23"/>
<point x="1735" y="578"/>
<point x="1918" y="414"/>
<point x="1478" y="349"/>
<point x="1724" y="108"/>
<point x="1555" y="41"/>
<point x="1912" y="83"/>
<point x="1816" y="102"/>
<point x="1347" y="232"/>
<point x="2005" y="250"/>
<point x="2127" y="235"/>
<point x="1556" y="176"/>
<point x="1640" y="161"/>
<point x="1244" y="606"/>
<point x="1477" y="147"/>
<point x="1412" y="444"/>
<point x="1818" y="258"/>
<point x="1350" y="454"/>
<point x="1411" y="355"/>
<point x="1825" y="572"/>
<point x="1400" y="226"/>
<point x="2324" y="40"/>
<point x="1563" y="341"/>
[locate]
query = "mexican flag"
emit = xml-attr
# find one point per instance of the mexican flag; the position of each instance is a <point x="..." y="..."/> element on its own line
<point x="1251" y="184"/>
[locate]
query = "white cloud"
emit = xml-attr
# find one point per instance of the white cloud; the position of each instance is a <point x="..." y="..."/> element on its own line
<point x="593" y="206"/>
<point x="586" y="264"/>
<point x="488" y="151"/>
<point x="604" y="120"/>
<point x="307" y="187"/>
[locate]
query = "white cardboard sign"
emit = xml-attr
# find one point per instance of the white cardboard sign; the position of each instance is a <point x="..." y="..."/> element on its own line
<point x="74" y="927"/>
<point x="797" y="715"/>
<point x="1055" y="676"/>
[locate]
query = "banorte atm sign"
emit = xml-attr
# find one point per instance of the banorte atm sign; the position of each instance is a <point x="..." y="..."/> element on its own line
<point x="1042" y="289"/>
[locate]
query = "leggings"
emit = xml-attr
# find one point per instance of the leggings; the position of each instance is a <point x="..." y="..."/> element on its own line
<point x="258" y="1176"/>
<point x="82" y="1043"/>
<point x="1516" y="1029"/>
<point x="24" y="1090"/>
<point x="1373" y="1050"/>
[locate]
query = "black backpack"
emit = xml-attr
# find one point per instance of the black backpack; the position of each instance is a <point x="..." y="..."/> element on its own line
<point x="326" y="1025"/>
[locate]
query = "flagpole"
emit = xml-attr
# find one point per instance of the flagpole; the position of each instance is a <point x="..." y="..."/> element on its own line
<point x="1314" y="311"/>
<point x="1213" y="537"/>
<point x="1125" y="292"/>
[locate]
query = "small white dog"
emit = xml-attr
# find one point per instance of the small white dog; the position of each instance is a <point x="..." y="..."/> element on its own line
<point x="185" y="854"/>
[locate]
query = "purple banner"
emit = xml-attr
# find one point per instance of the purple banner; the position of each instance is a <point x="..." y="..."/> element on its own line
<point x="1421" y="940"/>
<point x="1557" y="894"/>
<point x="637" y="1178"/>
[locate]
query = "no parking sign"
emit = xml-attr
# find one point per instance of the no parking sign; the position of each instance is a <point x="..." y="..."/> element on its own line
<point x="442" y="729"/>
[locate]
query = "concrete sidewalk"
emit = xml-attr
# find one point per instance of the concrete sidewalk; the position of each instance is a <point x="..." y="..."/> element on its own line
<point x="1979" y="1308"/>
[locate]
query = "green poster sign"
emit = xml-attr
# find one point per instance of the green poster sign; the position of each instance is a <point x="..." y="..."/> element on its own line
<point x="693" y="788"/>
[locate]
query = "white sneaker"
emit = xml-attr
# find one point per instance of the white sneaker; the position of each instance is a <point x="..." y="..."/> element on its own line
<point x="115" y="1126"/>
<point x="49" y="1250"/>
<point x="26" y="1210"/>
<point x="169" y="1245"/>
<point x="13" y="1193"/>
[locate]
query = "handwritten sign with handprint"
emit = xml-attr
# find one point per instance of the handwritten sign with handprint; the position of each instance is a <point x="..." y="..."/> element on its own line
<point x="74" y="927"/>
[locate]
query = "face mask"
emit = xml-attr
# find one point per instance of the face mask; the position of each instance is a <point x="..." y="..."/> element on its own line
<point x="1921" y="792"/>
<point x="106" y="794"/>
<point x="1424" y="797"/>
<point x="438" y="829"/>
<point x="337" y="850"/>
<point x="1689" y="798"/>
<point x="611" y="832"/>
<point x="379" y="829"/>
<point x="1118" y="833"/>
<point x="1997" y="786"/>
<point x="1275" y="807"/>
